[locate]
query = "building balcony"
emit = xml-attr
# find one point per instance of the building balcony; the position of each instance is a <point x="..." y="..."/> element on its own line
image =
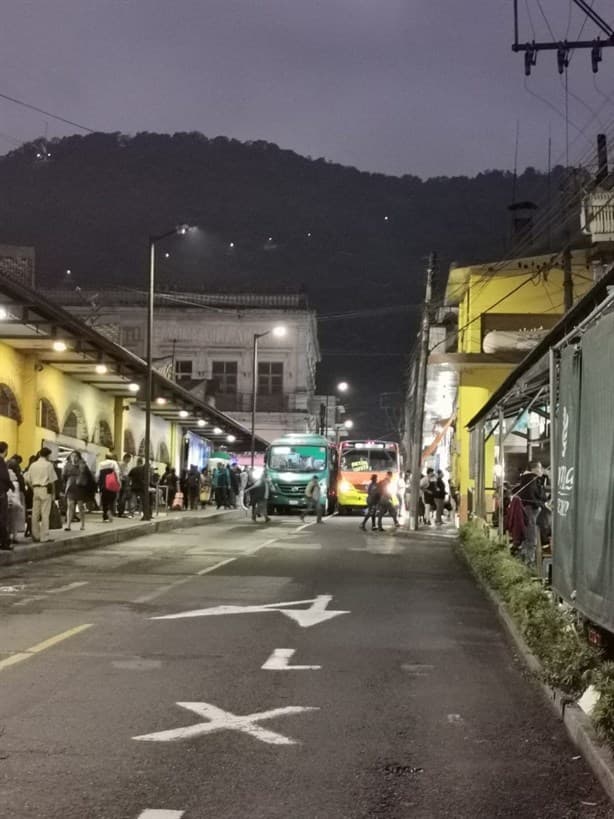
<point x="242" y="402"/>
<point x="597" y="216"/>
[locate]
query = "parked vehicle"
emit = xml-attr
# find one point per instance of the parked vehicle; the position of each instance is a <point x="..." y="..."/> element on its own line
<point x="358" y="461"/>
<point x="291" y="462"/>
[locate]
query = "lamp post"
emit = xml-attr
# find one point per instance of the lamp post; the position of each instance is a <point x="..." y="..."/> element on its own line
<point x="342" y="387"/>
<point x="180" y="229"/>
<point x="278" y="332"/>
<point x="347" y="424"/>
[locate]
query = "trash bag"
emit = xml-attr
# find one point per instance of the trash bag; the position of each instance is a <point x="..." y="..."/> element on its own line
<point x="55" y="518"/>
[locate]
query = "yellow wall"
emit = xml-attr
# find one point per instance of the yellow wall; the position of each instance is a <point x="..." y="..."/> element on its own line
<point x="543" y="297"/>
<point x="476" y="385"/>
<point x="29" y="382"/>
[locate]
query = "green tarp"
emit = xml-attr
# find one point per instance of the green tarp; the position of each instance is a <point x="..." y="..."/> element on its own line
<point x="583" y="541"/>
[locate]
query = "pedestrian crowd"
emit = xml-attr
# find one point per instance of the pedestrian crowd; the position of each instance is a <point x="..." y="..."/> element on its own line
<point x="382" y="500"/>
<point x="43" y="496"/>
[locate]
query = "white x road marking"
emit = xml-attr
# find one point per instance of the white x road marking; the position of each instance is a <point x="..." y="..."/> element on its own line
<point x="225" y="721"/>
<point x="316" y="613"/>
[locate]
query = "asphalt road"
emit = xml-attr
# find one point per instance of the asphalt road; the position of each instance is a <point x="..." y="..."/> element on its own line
<point x="408" y="701"/>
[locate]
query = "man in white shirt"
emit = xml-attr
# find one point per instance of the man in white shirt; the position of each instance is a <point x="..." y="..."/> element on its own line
<point x="41" y="476"/>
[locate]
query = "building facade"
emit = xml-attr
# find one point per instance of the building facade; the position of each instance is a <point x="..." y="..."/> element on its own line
<point x="205" y="342"/>
<point x="504" y="309"/>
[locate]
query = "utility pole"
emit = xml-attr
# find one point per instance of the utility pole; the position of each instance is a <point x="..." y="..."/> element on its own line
<point x="420" y="394"/>
<point x="567" y="277"/>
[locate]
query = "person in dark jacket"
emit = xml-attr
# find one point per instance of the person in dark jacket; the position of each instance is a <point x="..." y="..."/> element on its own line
<point x="373" y="499"/>
<point x="533" y="496"/>
<point x="136" y="476"/>
<point x="439" y="496"/>
<point x="6" y="484"/>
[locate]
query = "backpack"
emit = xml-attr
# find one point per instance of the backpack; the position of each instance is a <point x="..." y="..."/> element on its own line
<point x="111" y="484"/>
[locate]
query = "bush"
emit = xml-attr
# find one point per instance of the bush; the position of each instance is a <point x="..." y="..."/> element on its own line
<point x="603" y="715"/>
<point x="566" y="657"/>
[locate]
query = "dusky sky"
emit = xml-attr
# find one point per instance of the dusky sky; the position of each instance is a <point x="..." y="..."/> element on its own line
<point x="425" y="87"/>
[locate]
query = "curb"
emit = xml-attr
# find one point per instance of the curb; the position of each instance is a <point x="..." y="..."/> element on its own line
<point x="43" y="551"/>
<point x="577" y="724"/>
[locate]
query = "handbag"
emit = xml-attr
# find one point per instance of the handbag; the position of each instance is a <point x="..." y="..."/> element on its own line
<point x="178" y="501"/>
<point x="111" y="484"/>
<point x="55" y="518"/>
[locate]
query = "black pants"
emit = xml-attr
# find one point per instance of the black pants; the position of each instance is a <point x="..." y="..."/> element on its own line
<point x="193" y="494"/>
<point x="386" y="508"/>
<point x="107" y="500"/>
<point x="370" y="513"/>
<point x="4" y="521"/>
<point x="221" y="497"/>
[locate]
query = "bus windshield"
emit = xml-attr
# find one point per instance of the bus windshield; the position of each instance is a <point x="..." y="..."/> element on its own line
<point x="297" y="458"/>
<point x="369" y="460"/>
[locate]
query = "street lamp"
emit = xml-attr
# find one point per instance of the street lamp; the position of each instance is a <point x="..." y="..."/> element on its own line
<point x="341" y="387"/>
<point x="347" y="424"/>
<point x="178" y="229"/>
<point x="279" y="332"/>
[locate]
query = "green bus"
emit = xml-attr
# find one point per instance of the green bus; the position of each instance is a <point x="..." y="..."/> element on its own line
<point x="291" y="462"/>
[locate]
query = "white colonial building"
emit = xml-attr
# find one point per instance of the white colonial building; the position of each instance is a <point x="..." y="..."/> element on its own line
<point x="205" y="342"/>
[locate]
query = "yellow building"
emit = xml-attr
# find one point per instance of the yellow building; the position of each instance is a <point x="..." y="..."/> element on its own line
<point x="66" y="386"/>
<point x="504" y="310"/>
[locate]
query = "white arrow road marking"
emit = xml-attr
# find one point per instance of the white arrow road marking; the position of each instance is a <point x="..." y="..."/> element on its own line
<point x="220" y="720"/>
<point x="161" y="814"/>
<point x="278" y="661"/>
<point x="316" y="613"/>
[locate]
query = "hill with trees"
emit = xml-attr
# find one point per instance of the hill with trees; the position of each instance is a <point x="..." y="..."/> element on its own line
<point x="269" y="220"/>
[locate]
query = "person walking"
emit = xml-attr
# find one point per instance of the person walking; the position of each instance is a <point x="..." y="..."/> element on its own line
<point x="6" y="486"/>
<point x="41" y="477"/>
<point x="193" y="488"/>
<point x="373" y="498"/>
<point x="426" y="490"/>
<point x="109" y="485"/>
<point x="387" y="500"/>
<point x="243" y="478"/>
<point x="313" y="494"/>
<point x="221" y="486"/>
<point x="233" y="480"/>
<point x="259" y="498"/>
<point x="439" y="497"/>
<point x="136" y="477"/>
<point x="123" y="501"/>
<point x="533" y="497"/>
<point x="78" y="487"/>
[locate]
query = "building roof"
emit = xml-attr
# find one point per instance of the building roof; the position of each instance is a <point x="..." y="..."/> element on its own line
<point x="532" y="367"/>
<point x="32" y="324"/>
<point x="459" y="277"/>
<point x="124" y="297"/>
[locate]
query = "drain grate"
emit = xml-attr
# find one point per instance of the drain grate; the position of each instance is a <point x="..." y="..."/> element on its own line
<point x="401" y="770"/>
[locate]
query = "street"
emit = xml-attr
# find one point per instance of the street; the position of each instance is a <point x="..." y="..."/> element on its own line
<point x="270" y="671"/>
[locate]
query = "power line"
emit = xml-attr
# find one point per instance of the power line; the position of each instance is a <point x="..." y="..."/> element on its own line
<point x="47" y="113"/>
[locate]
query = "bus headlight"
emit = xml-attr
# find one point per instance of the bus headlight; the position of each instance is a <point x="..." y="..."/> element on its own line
<point x="344" y="486"/>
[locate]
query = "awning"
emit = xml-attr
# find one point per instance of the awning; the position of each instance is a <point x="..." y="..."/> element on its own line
<point x="35" y="326"/>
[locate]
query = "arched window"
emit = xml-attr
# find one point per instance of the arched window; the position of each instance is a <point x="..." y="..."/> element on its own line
<point x="163" y="454"/>
<point x="47" y="416"/>
<point x="142" y="450"/>
<point x="9" y="407"/>
<point x="129" y="445"/>
<point x="71" y="425"/>
<point x="104" y="435"/>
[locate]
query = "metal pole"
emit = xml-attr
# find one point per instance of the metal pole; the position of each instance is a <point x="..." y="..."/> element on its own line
<point x="327" y="411"/>
<point x="421" y="394"/>
<point x="254" y="394"/>
<point x="149" y="384"/>
<point x="501" y="488"/>
<point x="567" y="279"/>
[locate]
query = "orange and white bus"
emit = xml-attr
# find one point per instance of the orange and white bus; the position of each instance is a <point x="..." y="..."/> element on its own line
<point x="358" y="461"/>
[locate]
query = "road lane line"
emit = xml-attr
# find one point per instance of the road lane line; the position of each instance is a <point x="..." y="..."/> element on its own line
<point x="68" y="587"/>
<point x="147" y="598"/>
<point x="279" y="661"/>
<point x="161" y="814"/>
<point x="49" y="643"/>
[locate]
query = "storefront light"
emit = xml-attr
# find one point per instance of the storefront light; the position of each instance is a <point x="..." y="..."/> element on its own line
<point x="133" y="387"/>
<point x="101" y="369"/>
<point x="59" y="346"/>
<point x="217" y="431"/>
<point x="201" y="423"/>
<point x="183" y="413"/>
<point x="3" y="314"/>
<point x="161" y="401"/>
<point x="231" y="439"/>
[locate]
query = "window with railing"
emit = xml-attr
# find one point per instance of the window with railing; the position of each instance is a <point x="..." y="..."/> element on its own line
<point x="270" y="377"/>
<point x="224" y="373"/>
<point x="184" y="369"/>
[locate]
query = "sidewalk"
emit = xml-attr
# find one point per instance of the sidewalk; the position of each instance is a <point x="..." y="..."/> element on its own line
<point x="98" y="534"/>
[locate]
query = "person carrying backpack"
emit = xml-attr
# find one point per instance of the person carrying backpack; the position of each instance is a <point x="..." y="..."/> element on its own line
<point x="373" y="499"/>
<point x="109" y="485"/>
